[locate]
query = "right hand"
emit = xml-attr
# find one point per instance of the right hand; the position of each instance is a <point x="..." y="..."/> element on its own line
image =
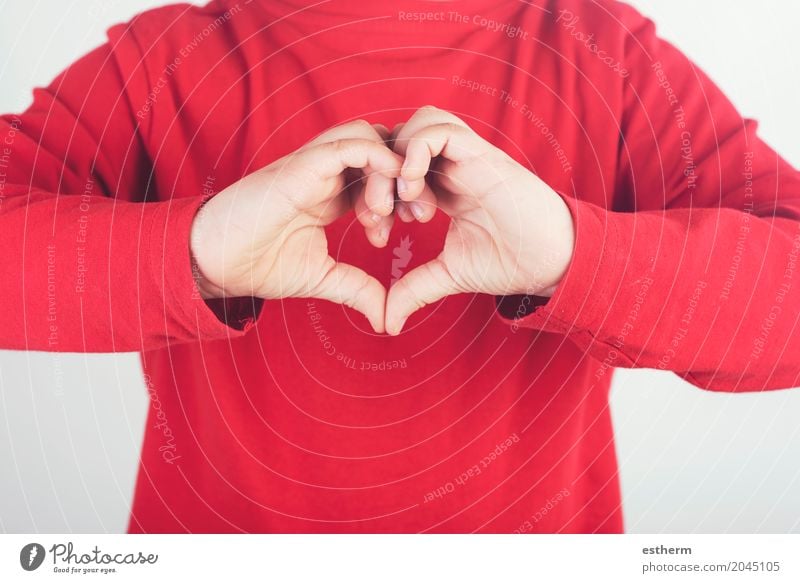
<point x="264" y="235"/>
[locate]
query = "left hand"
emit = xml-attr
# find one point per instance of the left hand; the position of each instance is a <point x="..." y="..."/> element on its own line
<point x="510" y="232"/>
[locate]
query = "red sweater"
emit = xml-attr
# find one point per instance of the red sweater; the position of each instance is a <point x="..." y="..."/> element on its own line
<point x="292" y="416"/>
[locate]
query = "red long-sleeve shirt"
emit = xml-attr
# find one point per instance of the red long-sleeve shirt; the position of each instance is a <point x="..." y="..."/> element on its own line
<point x="292" y="416"/>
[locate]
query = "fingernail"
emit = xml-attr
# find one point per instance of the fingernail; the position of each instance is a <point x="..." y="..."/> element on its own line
<point x="402" y="186"/>
<point x="375" y="218"/>
<point x="402" y="212"/>
<point x="389" y="201"/>
<point x="384" y="233"/>
<point x="417" y="210"/>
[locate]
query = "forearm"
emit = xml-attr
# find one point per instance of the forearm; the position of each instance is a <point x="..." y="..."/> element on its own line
<point x="93" y="274"/>
<point x="707" y="293"/>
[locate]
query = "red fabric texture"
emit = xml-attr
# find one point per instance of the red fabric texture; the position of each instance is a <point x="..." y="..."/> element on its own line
<point x="486" y="414"/>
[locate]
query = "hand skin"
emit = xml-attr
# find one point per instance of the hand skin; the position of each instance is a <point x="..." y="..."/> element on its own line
<point x="510" y="233"/>
<point x="264" y="235"/>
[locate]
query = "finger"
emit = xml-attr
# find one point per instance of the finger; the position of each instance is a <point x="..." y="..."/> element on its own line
<point x="345" y="137"/>
<point x="424" y="207"/>
<point x="350" y="286"/>
<point x="329" y="160"/>
<point x="378" y="194"/>
<point x="379" y="235"/>
<point x="429" y="133"/>
<point x="454" y="146"/>
<point x="332" y="158"/>
<point x="380" y="189"/>
<point x="424" y="117"/>
<point x="382" y="131"/>
<point x="417" y="163"/>
<point x="396" y="131"/>
<point x="453" y="142"/>
<point x="358" y="128"/>
<point x="421" y="286"/>
<point x="402" y="211"/>
<point x="376" y="227"/>
<point x="365" y="215"/>
<point x="411" y="184"/>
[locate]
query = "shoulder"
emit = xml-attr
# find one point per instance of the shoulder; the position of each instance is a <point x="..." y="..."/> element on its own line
<point x="598" y="36"/>
<point x="615" y="24"/>
<point x="165" y="32"/>
<point x="151" y="47"/>
<point x="614" y="16"/>
<point x="178" y="18"/>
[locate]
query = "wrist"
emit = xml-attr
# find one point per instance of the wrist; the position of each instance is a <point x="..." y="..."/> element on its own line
<point x="547" y="292"/>
<point x="547" y="266"/>
<point x="205" y="288"/>
<point x="562" y="248"/>
<point x="558" y="265"/>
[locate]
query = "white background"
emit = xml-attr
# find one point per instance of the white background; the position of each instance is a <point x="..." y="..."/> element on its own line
<point x="691" y="461"/>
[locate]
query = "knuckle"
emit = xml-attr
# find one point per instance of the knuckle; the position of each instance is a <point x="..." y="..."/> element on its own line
<point x="452" y="127"/>
<point x="426" y="112"/>
<point x="360" y="288"/>
<point x="344" y="147"/>
<point x="412" y="295"/>
<point x="362" y="126"/>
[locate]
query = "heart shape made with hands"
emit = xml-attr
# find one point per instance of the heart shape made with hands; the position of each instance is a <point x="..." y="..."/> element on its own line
<point x="509" y="232"/>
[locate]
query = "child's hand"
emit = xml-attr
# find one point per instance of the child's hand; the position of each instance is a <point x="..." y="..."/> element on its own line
<point x="510" y="232"/>
<point x="264" y="235"/>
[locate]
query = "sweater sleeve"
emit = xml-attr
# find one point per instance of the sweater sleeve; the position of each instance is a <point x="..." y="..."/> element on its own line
<point x="92" y="262"/>
<point x="696" y="270"/>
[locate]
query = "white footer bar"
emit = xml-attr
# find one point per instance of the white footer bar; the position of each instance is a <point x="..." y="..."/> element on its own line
<point x="400" y="558"/>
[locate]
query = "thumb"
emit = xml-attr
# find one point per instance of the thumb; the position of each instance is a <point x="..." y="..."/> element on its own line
<point x="352" y="287"/>
<point x="421" y="286"/>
